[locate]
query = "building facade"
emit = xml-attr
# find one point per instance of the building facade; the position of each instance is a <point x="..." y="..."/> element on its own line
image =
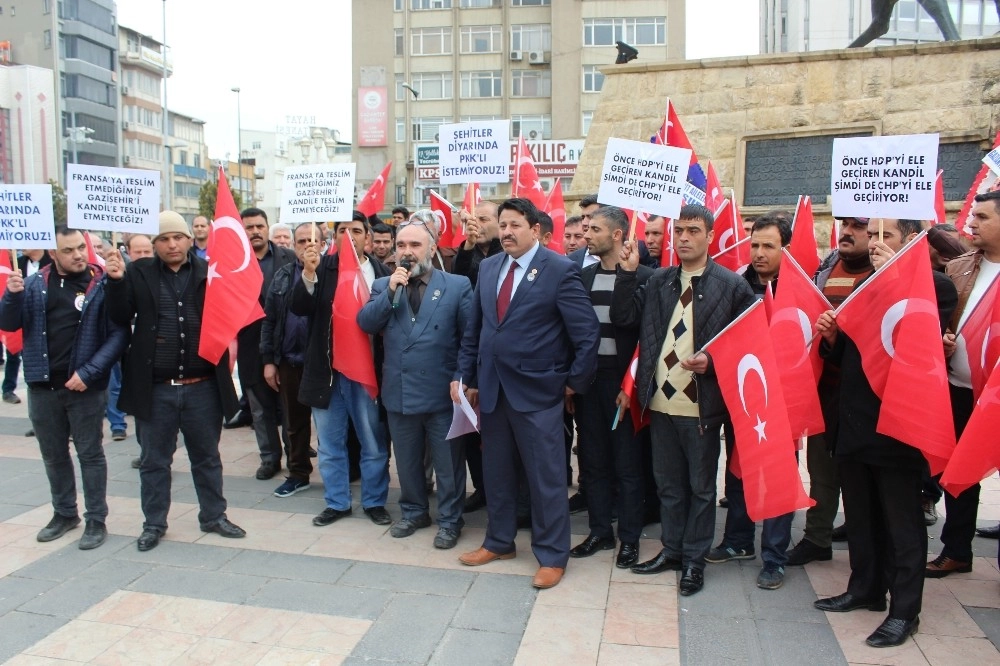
<point x="533" y="61"/>
<point x="77" y="39"/>
<point x="29" y="140"/>
<point x="811" y="25"/>
<point x="188" y="156"/>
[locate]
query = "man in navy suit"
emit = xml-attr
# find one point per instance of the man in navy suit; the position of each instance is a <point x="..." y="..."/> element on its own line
<point x="421" y="313"/>
<point x="531" y="342"/>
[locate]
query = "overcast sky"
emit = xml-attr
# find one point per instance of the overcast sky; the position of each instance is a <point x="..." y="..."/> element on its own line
<point x="294" y="56"/>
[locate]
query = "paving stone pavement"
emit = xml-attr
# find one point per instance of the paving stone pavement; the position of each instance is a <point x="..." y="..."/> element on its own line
<point x="349" y="593"/>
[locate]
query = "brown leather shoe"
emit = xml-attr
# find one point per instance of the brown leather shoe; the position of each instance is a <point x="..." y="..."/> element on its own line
<point x="548" y="577"/>
<point x="941" y="566"/>
<point x="482" y="556"/>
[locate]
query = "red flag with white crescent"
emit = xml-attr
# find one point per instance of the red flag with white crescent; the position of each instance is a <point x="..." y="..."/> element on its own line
<point x="893" y="319"/>
<point x="714" y="196"/>
<point x="745" y="365"/>
<point x="234" y="279"/>
<point x="555" y="206"/>
<point x="526" y="182"/>
<point x="985" y="181"/>
<point x="640" y="419"/>
<point x="977" y="454"/>
<point x="374" y="199"/>
<point x="803" y="243"/>
<point x="352" y="348"/>
<point x="12" y="340"/>
<point x="980" y="333"/>
<point x="445" y="225"/>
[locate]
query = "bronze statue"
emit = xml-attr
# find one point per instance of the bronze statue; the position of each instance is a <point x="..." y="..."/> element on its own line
<point x="882" y="12"/>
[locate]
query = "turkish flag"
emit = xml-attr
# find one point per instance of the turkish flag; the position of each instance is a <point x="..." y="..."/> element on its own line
<point x="12" y="340"/>
<point x="893" y="319"/>
<point x="668" y="257"/>
<point x="939" y="213"/>
<point x="555" y="206"/>
<point x="352" y="348"/>
<point x="714" y="196"/>
<point x="979" y="332"/>
<point x="977" y="454"/>
<point x="985" y="180"/>
<point x="636" y="219"/>
<point x="742" y="248"/>
<point x="834" y="236"/>
<point x="640" y="419"/>
<point x="374" y="199"/>
<point x="729" y="241"/>
<point x="745" y="365"/>
<point x="443" y="214"/>
<point x="671" y="133"/>
<point x="234" y="279"/>
<point x="803" y="243"/>
<point x="526" y="182"/>
<point x="797" y="305"/>
<point x="92" y="256"/>
<point x="473" y="197"/>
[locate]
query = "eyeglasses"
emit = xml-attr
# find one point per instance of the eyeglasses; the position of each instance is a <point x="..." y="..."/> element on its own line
<point x="416" y="221"/>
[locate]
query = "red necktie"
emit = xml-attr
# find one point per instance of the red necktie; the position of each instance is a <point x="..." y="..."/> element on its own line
<point x="506" y="289"/>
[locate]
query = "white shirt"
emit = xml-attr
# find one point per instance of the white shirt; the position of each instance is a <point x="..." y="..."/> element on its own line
<point x="959" y="372"/>
<point x="368" y="271"/>
<point x="522" y="267"/>
<point x="589" y="259"/>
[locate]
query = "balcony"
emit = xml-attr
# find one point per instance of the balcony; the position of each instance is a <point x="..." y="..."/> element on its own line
<point x="190" y="172"/>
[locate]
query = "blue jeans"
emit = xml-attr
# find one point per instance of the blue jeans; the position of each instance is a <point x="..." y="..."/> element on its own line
<point x="411" y="435"/>
<point x="116" y="417"/>
<point x="196" y="411"/>
<point x="349" y="400"/>
<point x="685" y="464"/>
<point x="56" y="415"/>
<point x="10" y="371"/>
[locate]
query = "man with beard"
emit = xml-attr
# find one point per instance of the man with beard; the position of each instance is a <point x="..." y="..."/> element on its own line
<point x="199" y="230"/>
<point x="421" y="313"/>
<point x="837" y="277"/>
<point x="262" y="398"/>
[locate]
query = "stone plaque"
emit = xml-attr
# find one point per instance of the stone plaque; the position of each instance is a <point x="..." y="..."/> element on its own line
<point x="961" y="162"/>
<point x="777" y="171"/>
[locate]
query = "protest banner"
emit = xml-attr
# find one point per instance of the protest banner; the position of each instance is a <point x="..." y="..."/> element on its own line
<point x="474" y="152"/>
<point x="318" y="193"/>
<point x="644" y="176"/>
<point x="111" y="199"/>
<point x="992" y="160"/>
<point x="884" y="176"/>
<point x="26" y="221"/>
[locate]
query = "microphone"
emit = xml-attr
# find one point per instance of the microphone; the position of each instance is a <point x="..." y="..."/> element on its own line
<point x="404" y="263"/>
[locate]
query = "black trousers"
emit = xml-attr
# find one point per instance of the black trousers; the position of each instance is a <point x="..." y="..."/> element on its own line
<point x="960" y="522"/>
<point x="887" y="539"/>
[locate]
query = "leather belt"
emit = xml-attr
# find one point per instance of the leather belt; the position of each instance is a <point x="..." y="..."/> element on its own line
<point x="185" y="382"/>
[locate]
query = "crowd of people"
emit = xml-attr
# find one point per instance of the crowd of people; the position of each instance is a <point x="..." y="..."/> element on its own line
<point x="539" y="342"/>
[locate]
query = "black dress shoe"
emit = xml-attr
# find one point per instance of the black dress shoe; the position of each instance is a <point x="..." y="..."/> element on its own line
<point x="659" y="563"/>
<point x="846" y="602"/>
<point x="475" y="502"/>
<point x="892" y="632"/>
<point x="148" y="540"/>
<point x="328" y="516"/>
<point x="692" y="580"/>
<point x="591" y="545"/>
<point x="378" y="515"/>
<point x="223" y="527"/>
<point x="839" y="533"/>
<point x="989" y="532"/>
<point x="628" y="555"/>
<point x="267" y="470"/>
<point x="241" y="420"/>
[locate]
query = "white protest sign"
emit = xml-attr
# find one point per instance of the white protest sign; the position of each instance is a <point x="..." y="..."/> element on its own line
<point x="318" y="193"/>
<point x="992" y="160"/>
<point x="884" y="176"/>
<point x="112" y="199"/>
<point x="644" y="176"/>
<point x="476" y="152"/>
<point x="26" y="221"/>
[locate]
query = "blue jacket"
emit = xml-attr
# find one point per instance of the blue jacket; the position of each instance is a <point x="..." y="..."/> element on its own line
<point x="421" y="354"/>
<point x="99" y="342"/>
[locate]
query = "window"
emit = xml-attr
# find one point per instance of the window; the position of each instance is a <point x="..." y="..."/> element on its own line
<point x="430" y="41"/>
<point x="87" y="88"/>
<point x="531" y="37"/>
<point x="104" y="130"/>
<point x="46" y="6"/>
<point x="482" y="84"/>
<point x="253" y="146"/>
<point x="430" y="4"/>
<point x="531" y="127"/>
<point x="593" y="80"/>
<point x="86" y="50"/>
<point x="86" y="11"/>
<point x="400" y="130"/>
<point x="529" y="3"/>
<point x="588" y="117"/>
<point x="426" y="129"/>
<point x="478" y="4"/>
<point x="642" y="31"/>
<point x="433" y="85"/>
<point x="473" y="119"/>
<point x="401" y="92"/>
<point x="531" y="83"/>
<point x="47" y="38"/>
<point x="397" y="5"/>
<point x="480" y="39"/>
<point x="399" y="44"/>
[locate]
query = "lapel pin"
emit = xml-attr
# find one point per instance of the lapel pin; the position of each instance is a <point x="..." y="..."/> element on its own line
<point x="532" y="274"/>
<point x="437" y="293"/>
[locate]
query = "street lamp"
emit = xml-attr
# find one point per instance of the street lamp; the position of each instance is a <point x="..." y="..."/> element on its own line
<point x="77" y="135"/>
<point x="239" y="142"/>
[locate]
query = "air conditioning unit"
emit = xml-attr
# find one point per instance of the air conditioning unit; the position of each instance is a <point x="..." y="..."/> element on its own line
<point x="538" y="57"/>
<point x="126" y="159"/>
<point x="517" y="56"/>
<point x="125" y="125"/>
<point x="125" y="90"/>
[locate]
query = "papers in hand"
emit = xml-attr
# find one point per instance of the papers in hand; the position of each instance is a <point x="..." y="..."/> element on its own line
<point x="465" y="418"/>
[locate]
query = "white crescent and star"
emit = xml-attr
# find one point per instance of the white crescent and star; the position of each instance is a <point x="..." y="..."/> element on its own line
<point x="986" y="342"/>
<point x="633" y="367"/>
<point x="750" y="363"/>
<point x="723" y="244"/>
<point x="227" y="222"/>
<point x="796" y="316"/>
<point x="895" y="314"/>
